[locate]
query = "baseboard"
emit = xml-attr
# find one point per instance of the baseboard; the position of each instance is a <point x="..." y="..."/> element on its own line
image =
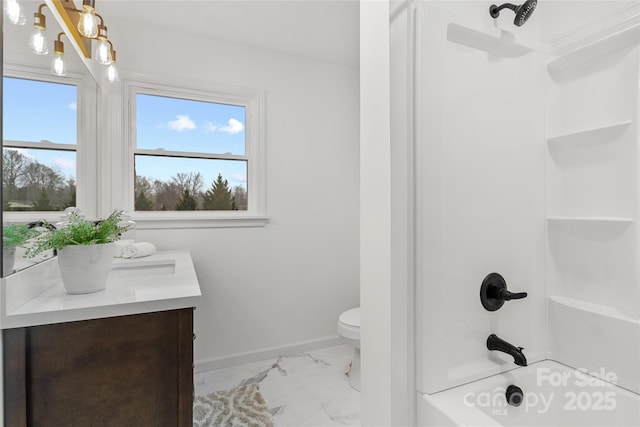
<point x="266" y="353"/>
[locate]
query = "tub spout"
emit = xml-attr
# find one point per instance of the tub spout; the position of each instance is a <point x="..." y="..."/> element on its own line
<point x="496" y="343"/>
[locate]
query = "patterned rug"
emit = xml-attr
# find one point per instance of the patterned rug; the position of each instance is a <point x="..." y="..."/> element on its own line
<point x="239" y="407"/>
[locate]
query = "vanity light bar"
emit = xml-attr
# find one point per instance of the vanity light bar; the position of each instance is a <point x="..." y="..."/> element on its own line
<point x="81" y="26"/>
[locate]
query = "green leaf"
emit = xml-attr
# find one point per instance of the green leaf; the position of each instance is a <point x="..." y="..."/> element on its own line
<point x="80" y="232"/>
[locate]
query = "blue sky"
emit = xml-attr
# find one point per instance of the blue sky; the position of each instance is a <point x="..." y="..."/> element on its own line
<point x="35" y="111"/>
<point x="184" y="125"/>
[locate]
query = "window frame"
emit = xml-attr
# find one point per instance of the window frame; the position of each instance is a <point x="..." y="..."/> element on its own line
<point x="253" y="101"/>
<point x="86" y="137"/>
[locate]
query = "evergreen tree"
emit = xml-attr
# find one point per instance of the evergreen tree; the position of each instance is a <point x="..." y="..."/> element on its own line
<point x="143" y="202"/>
<point x="187" y="202"/>
<point x="219" y="197"/>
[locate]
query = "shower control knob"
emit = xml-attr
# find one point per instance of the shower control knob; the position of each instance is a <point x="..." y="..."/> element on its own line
<point x="508" y="296"/>
<point x="514" y="395"/>
<point x="493" y="292"/>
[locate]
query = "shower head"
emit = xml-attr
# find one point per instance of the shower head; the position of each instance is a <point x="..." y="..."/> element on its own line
<point x="523" y="12"/>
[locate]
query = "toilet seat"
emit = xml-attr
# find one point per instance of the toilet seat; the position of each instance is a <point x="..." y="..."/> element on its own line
<point x="349" y="324"/>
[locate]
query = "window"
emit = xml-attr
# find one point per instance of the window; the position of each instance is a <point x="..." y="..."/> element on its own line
<point x="195" y="151"/>
<point x="40" y="140"/>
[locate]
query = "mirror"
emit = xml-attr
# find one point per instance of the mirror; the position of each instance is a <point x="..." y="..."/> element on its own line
<point x="41" y="129"/>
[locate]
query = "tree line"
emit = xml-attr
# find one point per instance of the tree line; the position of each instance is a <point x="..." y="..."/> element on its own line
<point x="28" y="185"/>
<point x="184" y="192"/>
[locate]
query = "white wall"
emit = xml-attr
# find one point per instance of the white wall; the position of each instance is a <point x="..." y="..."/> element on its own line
<point x="560" y="18"/>
<point x="480" y="193"/>
<point x="288" y="282"/>
<point x="530" y="171"/>
<point x="375" y="225"/>
<point x="402" y="302"/>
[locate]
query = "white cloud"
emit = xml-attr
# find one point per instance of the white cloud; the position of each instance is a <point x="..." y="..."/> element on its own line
<point x="210" y="127"/>
<point x="233" y="128"/>
<point x="239" y="177"/>
<point x="63" y="163"/>
<point x="73" y="106"/>
<point x="182" y="122"/>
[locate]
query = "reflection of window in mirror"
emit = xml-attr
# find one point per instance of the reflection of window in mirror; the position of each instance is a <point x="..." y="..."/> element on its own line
<point x="40" y="141"/>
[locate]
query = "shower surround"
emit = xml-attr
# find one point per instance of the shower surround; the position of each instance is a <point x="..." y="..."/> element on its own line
<point x="526" y="165"/>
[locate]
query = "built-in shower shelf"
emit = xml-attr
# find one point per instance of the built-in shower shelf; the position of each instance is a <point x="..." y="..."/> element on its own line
<point x="589" y="307"/>
<point x="595" y="52"/>
<point x="598" y="134"/>
<point x="501" y="44"/>
<point x="595" y="220"/>
<point x="596" y="228"/>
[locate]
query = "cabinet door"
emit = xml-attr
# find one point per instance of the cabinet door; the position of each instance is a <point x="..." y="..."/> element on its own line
<point x="123" y="371"/>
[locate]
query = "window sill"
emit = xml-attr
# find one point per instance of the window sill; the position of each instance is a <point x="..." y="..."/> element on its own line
<point x="30" y="216"/>
<point x="177" y="221"/>
<point x="156" y="221"/>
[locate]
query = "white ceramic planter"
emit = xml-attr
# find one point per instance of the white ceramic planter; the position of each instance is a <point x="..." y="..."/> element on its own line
<point x="85" y="268"/>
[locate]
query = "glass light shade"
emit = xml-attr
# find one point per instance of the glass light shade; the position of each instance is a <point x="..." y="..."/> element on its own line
<point x="38" y="41"/>
<point x="111" y="73"/>
<point x="88" y="23"/>
<point x="58" y="66"/>
<point x="103" y="52"/>
<point x="14" y="12"/>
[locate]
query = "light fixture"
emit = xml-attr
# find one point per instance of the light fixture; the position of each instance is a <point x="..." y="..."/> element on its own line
<point x="103" y="49"/>
<point x="14" y="12"/>
<point x="58" y="66"/>
<point x="38" y="39"/>
<point x="88" y="22"/>
<point x="111" y="73"/>
<point x="81" y="26"/>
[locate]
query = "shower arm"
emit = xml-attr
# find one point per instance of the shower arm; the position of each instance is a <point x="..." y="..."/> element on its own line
<point x="495" y="10"/>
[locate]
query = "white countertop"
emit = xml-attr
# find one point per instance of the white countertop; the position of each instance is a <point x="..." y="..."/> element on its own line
<point x="163" y="281"/>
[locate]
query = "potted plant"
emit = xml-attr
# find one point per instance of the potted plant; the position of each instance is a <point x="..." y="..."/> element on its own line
<point x="85" y="251"/>
<point x="13" y="236"/>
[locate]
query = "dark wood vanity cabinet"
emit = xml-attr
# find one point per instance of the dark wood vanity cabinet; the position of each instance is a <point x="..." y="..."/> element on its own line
<point x="134" y="370"/>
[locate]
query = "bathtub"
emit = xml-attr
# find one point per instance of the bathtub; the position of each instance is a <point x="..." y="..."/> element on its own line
<point x="553" y="395"/>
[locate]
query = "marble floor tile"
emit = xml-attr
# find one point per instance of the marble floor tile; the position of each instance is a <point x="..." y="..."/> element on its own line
<point x="305" y="389"/>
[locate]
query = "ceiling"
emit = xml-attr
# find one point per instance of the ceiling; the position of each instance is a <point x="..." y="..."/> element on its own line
<point x="326" y="30"/>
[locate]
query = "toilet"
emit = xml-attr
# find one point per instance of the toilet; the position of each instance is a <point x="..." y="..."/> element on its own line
<point x="349" y="330"/>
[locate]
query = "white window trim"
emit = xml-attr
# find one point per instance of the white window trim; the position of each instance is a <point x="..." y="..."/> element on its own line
<point x="86" y="179"/>
<point x="254" y="101"/>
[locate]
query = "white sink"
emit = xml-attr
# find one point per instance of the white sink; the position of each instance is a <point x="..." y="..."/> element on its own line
<point x="142" y="268"/>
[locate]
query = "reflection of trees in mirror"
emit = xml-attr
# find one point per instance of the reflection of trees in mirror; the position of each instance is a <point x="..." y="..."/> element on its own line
<point x="184" y="192"/>
<point x="28" y="185"/>
<point x="14" y="235"/>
